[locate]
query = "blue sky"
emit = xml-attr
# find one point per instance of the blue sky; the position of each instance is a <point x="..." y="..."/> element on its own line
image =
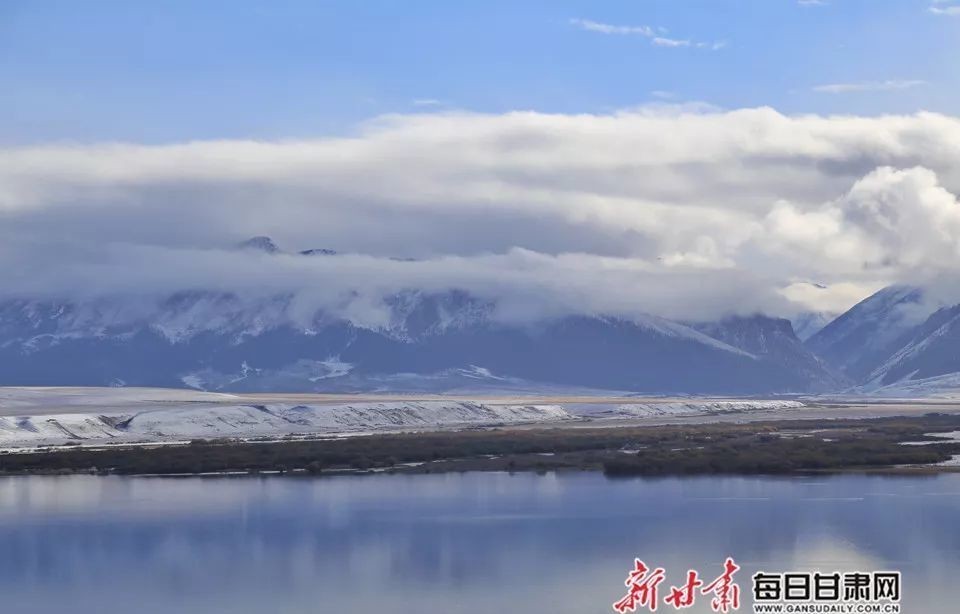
<point x="156" y="72"/>
<point x="724" y="152"/>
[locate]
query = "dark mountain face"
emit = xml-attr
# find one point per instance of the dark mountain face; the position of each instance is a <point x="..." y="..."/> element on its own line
<point x="774" y="340"/>
<point x="263" y="244"/>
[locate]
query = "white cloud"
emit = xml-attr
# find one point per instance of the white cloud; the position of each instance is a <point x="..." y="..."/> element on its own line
<point x="663" y="94"/>
<point x="661" y="41"/>
<point x="891" y="219"/>
<point x="606" y="28"/>
<point x="868" y="86"/>
<point x="657" y="40"/>
<point x="812" y="2"/>
<point x="946" y="8"/>
<point x="679" y="211"/>
<point x="950" y="11"/>
<point x="833" y="299"/>
<point x="427" y="102"/>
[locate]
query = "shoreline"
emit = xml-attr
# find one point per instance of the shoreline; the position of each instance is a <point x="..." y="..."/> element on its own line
<point x="152" y="422"/>
<point x="883" y="471"/>
<point x="778" y="447"/>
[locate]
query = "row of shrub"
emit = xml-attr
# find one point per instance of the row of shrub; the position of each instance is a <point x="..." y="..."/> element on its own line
<point x="738" y="448"/>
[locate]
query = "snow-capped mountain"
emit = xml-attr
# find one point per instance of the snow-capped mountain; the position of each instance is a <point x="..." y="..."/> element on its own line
<point x="890" y="344"/>
<point x="211" y="342"/>
<point x="864" y="337"/>
<point x="928" y="350"/>
<point x="263" y="244"/>
<point x="217" y="340"/>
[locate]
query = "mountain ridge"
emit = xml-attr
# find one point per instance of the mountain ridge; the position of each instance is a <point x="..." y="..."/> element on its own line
<point x="423" y="340"/>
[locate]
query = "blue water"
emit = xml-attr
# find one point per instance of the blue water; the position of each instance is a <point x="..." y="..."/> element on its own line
<point x="435" y="544"/>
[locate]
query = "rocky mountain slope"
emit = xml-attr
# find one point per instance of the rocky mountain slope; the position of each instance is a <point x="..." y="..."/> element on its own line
<point x="774" y="340"/>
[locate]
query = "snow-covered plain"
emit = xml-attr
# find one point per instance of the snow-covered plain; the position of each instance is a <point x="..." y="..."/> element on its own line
<point x="256" y="420"/>
<point x="938" y="387"/>
<point x="276" y="419"/>
<point x="38" y="417"/>
<point x="702" y="406"/>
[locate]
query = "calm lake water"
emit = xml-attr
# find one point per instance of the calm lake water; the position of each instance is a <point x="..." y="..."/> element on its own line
<point x="429" y="544"/>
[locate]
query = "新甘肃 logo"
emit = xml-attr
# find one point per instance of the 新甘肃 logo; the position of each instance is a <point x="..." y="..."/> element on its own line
<point x="788" y="592"/>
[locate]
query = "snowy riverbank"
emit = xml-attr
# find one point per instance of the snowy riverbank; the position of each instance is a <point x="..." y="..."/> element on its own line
<point x="37" y="417"/>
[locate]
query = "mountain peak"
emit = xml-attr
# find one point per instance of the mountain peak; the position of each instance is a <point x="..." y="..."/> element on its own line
<point x="860" y="340"/>
<point x="260" y="243"/>
<point x="321" y="251"/>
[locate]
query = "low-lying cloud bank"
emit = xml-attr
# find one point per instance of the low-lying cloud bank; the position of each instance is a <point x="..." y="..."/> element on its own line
<point x="680" y="212"/>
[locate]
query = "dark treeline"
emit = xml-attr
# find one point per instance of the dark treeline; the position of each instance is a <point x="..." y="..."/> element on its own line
<point x="774" y="447"/>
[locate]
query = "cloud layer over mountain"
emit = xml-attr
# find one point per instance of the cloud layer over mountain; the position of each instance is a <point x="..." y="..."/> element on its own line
<point x="684" y="212"/>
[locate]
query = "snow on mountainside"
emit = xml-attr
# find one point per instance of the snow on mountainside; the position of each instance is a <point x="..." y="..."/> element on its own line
<point x="218" y="340"/>
<point x="861" y="339"/>
<point x="929" y="350"/>
<point x="806" y="325"/>
<point x="333" y="375"/>
<point x="892" y="345"/>
<point x="939" y="387"/>
<point x="220" y="343"/>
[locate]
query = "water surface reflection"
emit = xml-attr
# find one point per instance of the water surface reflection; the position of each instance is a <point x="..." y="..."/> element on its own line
<point x="474" y="543"/>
